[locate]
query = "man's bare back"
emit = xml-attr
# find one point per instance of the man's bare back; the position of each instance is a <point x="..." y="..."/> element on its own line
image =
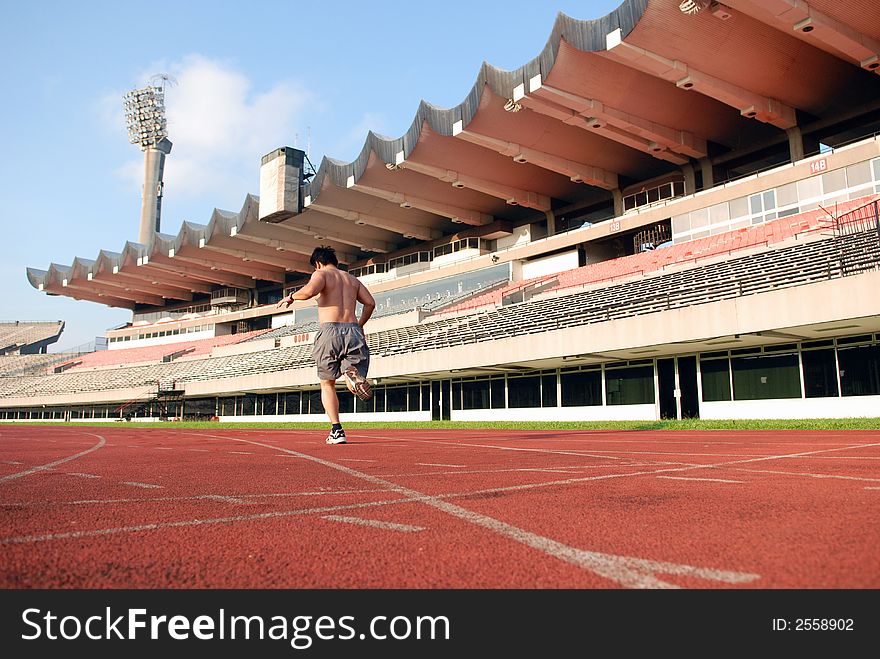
<point x="338" y="294"/>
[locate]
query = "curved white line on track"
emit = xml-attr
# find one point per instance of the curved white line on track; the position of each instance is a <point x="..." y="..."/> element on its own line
<point x="379" y="524"/>
<point x="627" y="571"/>
<point x="52" y="465"/>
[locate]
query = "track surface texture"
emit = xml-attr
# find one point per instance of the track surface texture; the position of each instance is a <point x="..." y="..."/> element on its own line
<point x="110" y="507"/>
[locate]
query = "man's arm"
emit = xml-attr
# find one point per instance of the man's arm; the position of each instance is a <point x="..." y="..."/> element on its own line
<point x="366" y="298"/>
<point x="307" y="292"/>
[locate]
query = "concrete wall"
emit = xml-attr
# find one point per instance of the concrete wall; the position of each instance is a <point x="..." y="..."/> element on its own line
<point x="794" y="408"/>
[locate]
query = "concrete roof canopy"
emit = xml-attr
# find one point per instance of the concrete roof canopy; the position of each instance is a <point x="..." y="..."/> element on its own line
<point x="651" y="88"/>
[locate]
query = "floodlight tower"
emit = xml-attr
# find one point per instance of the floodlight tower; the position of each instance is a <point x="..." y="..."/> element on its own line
<point x="147" y="127"/>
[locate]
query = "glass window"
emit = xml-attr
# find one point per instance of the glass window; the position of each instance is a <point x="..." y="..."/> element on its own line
<point x="476" y="395"/>
<point x="291" y="402"/>
<point x="524" y="392"/>
<point x="346" y="401"/>
<point x="629" y="386"/>
<point x="413" y="396"/>
<point x="820" y="376"/>
<point x="364" y="405"/>
<point x="699" y="218"/>
<point x="715" y="376"/>
<point x="456" y="395"/>
<point x="681" y="223"/>
<point x="764" y="377"/>
<point x="426" y="397"/>
<point x="787" y="195"/>
<point x="858" y="174"/>
<point x="859" y="370"/>
<point x="834" y="181"/>
<point x="548" y="390"/>
<point x="496" y="393"/>
<point x="247" y="405"/>
<point x="312" y="402"/>
<point x="719" y="213"/>
<point x="580" y="389"/>
<point x="396" y="399"/>
<point x="739" y="207"/>
<point x="269" y="404"/>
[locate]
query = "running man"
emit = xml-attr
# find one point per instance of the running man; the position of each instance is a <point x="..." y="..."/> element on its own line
<point x="340" y="346"/>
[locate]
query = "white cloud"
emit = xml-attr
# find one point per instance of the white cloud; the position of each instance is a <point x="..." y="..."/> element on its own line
<point x="220" y="127"/>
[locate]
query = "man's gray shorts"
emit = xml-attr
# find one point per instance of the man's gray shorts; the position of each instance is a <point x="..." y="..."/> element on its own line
<point x="338" y="347"/>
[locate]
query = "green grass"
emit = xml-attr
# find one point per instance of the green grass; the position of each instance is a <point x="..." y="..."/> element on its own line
<point x="688" y="424"/>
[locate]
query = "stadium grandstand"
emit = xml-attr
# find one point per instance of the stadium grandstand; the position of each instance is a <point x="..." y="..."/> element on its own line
<point x="670" y="212"/>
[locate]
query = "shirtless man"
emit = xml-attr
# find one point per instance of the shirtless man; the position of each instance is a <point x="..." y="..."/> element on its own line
<point x="340" y="346"/>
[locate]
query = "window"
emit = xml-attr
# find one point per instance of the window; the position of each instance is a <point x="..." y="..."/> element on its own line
<point x="629" y="386"/>
<point x="396" y="399"/>
<point x="859" y="370"/>
<point x="291" y="402"/>
<point x="268" y="404"/>
<point x="413" y="397"/>
<point x="524" y="392"/>
<point x="248" y="405"/>
<point x="715" y="376"/>
<point x="548" y="390"/>
<point x="346" y="402"/>
<point x="496" y="393"/>
<point x="820" y="377"/>
<point x="764" y="377"/>
<point x="456" y="395"/>
<point x="581" y="388"/>
<point x="475" y="395"/>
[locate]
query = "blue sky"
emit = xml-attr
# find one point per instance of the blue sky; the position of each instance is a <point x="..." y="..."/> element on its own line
<point x="251" y="76"/>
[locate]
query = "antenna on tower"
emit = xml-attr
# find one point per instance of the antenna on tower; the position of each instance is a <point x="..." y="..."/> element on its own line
<point x="161" y="80"/>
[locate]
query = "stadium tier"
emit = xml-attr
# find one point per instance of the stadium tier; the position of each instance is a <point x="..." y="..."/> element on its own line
<point x="657" y="217"/>
<point x="28" y="337"/>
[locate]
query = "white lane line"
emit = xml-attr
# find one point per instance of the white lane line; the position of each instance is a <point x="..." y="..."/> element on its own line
<point x="687" y="478"/>
<point x="390" y="526"/>
<point x="810" y="475"/>
<point x="18" y="540"/>
<point x="148" y="486"/>
<point x="12" y="462"/>
<point x="436" y="464"/>
<point x="241" y="452"/>
<point x="628" y="571"/>
<point x="51" y="465"/>
<point x="80" y="502"/>
<point x="163" y="448"/>
<point x="223" y="498"/>
<point x="872" y="488"/>
<point x="82" y="475"/>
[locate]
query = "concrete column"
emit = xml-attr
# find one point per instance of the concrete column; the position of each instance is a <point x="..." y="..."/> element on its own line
<point x="617" y="195"/>
<point x="708" y="174"/>
<point x="795" y="143"/>
<point x="551" y="223"/>
<point x="690" y="179"/>
<point x="151" y="201"/>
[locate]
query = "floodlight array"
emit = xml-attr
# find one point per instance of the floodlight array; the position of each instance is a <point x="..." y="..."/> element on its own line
<point x="145" y="116"/>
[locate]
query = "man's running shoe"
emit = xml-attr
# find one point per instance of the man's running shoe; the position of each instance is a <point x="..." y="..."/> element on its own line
<point x="336" y="437"/>
<point x="358" y="385"/>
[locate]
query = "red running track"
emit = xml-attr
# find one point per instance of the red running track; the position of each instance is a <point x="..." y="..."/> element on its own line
<point x="116" y="507"/>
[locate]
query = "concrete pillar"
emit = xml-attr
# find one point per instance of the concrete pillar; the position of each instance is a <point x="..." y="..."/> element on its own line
<point x="708" y="174"/>
<point x="551" y="223"/>
<point x="617" y="196"/>
<point x="151" y="200"/>
<point x="795" y="143"/>
<point x="690" y="179"/>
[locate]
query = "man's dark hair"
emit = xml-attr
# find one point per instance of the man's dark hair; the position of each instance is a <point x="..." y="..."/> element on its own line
<point x="324" y="255"/>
